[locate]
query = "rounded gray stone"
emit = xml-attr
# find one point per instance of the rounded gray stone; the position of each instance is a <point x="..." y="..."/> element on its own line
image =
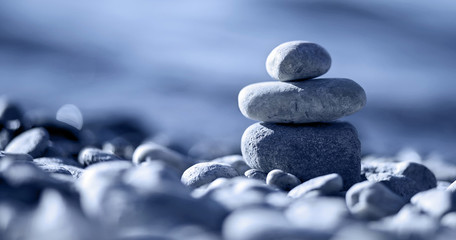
<point x="32" y="142"/>
<point x="373" y="200"/>
<point x="435" y="202"/>
<point x="297" y="60"/>
<point x="306" y="151"/>
<point x="316" y="100"/>
<point x="282" y="180"/>
<point x="404" y="178"/>
<point x="236" y="161"/>
<point x="206" y="172"/>
<point x="151" y="151"/>
<point x="327" y="184"/>
<point x="256" y="174"/>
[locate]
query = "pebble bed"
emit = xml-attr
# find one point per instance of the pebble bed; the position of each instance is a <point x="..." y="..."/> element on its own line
<point x="109" y="181"/>
<point x="64" y="178"/>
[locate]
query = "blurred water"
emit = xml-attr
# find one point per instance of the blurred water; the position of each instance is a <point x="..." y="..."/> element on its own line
<point x="179" y="65"/>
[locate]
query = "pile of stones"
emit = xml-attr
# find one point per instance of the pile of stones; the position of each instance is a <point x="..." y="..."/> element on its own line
<point x="298" y="134"/>
<point x="65" y="177"/>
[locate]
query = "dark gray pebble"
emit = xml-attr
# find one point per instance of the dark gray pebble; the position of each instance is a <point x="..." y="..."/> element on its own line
<point x="404" y="178"/>
<point x="282" y="180"/>
<point x="256" y="174"/>
<point x="373" y="200"/>
<point x="298" y="149"/>
<point x="32" y="142"/>
<point x="297" y="60"/>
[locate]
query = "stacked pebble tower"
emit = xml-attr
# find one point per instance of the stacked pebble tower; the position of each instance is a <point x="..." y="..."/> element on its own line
<point x="298" y="133"/>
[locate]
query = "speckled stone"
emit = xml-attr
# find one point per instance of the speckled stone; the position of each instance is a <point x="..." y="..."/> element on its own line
<point x="89" y="156"/>
<point x="373" y="200"/>
<point x="404" y="178"/>
<point x="206" y="172"/>
<point x="316" y="100"/>
<point x="256" y="174"/>
<point x="306" y="151"/>
<point x="282" y="180"/>
<point x="297" y="60"/>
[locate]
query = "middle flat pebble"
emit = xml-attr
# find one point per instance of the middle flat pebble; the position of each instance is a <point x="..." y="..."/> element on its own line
<point x="315" y="100"/>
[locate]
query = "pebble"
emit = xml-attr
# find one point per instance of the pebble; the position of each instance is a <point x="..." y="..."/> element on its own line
<point x="24" y="182"/>
<point x="297" y="149"/>
<point x="409" y="223"/>
<point x="282" y="180"/>
<point x="316" y="100"/>
<point x="236" y="161"/>
<point x="362" y="232"/>
<point x="32" y="142"/>
<point x="151" y="151"/>
<point x="90" y="155"/>
<point x="53" y="213"/>
<point x="206" y="172"/>
<point x="373" y="200"/>
<point x="16" y="156"/>
<point x="435" y="202"/>
<point x="260" y="224"/>
<point x="297" y="60"/>
<point x="326" y="185"/>
<point x="322" y="214"/>
<point x="404" y="178"/>
<point x="256" y="174"/>
<point x="449" y="220"/>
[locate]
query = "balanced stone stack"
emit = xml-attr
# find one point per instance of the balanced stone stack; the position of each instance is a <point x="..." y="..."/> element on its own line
<point x="297" y="132"/>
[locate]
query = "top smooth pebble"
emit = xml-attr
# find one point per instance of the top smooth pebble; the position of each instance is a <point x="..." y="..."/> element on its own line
<point x="298" y="60"/>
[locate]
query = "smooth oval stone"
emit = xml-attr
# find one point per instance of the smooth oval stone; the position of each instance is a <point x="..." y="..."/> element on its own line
<point x="297" y="60"/>
<point x="316" y="100"/>
<point x="373" y="200"/>
<point x="256" y="174"/>
<point x="435" y="202"/>
<point x="306" y="151"/>
<point x="282" y="180"/>
<point x="151" y="151"/>
<point x="449" y="220"/>
<point x="206" y="172"/>
<point x="89" y="156"/>
<point x="32" y="142"/>
<point x="327" y="184"/>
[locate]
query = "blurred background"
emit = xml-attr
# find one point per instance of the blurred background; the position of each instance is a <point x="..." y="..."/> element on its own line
<point x="177" y="66"/>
